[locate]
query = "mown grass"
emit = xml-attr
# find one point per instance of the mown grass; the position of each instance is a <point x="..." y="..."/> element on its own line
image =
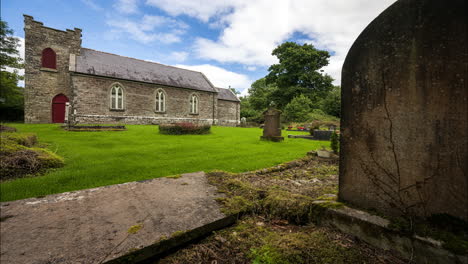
<point x="95" y="159"/>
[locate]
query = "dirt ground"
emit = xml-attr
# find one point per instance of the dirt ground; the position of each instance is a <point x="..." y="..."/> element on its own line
<point x="276" y="225"/>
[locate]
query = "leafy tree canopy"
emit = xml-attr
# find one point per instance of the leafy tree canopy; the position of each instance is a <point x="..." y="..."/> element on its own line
<point x="260" y="94"/>
<point x="11" y="96"/>
<point x="234" y="90"/>
<point x="299" y="72"/>
<point x="9" y="54"/>
<point x="331" y="104"/>
<point x="298" y="109"/>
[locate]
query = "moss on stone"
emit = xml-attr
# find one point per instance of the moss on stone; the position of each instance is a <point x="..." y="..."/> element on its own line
<point x="134" y="229"/>
<point x="236" y="205"/>
<point x="287" y="205"/>
<point x="177" y="176"/>
<point x="178" y="233"/>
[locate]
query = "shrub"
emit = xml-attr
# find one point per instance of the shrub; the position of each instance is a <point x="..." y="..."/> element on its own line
<point x="7" y="129"/>
<point x="24" y="139"/>
<point x="18" y="157"/>
<point x="335" y="142"/>
<point x="331" y="104"/>
<point x="319" y="115"/>
<point x="184" y="129"/>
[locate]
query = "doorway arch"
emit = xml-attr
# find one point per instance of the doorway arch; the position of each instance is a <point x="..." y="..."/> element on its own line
<point x="58" y="108"/>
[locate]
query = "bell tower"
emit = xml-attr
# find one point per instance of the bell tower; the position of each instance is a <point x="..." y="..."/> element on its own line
<point x="48" y="53"/>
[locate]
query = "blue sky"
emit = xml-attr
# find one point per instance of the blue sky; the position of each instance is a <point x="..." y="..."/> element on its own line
<point x="228" y="40"/>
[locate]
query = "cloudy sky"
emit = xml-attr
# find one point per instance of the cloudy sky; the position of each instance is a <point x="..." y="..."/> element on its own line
<point x="229" y="40"/>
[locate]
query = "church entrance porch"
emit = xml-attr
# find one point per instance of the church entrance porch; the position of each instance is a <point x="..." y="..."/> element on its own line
<point x="58" y="108"/>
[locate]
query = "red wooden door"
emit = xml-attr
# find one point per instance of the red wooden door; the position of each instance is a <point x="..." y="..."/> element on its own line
<point x="58" y="108"/>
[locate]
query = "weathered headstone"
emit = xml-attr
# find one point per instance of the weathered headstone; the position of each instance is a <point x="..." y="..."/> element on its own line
<point x="243" y="122"/>
<point x="272" y="128"/>
<point x="404" y="115"/>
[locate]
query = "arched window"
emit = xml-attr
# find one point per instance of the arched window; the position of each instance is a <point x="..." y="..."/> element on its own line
<point x="49" y="59"/>
<point x="117" y="97"/>
<point x="193" y="104"/>
<point x="160" y="101"/>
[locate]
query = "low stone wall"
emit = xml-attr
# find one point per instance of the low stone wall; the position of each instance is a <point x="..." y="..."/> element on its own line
<point x="228" y="122"/>
<point x="135" y="120"/>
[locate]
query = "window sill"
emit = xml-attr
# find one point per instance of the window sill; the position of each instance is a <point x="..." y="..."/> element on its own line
<point x="117" y="110"/>
<point x="48" y="69"/>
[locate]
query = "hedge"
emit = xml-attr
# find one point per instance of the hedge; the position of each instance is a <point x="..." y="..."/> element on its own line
<point x="184" y="129"/>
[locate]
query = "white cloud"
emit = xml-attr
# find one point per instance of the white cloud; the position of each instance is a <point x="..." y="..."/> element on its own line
<point x="144" y="30"/>
<point x="251" y="68"/>
<point x="220" y="77"/>
<point x="179" y="55"/>
<point x="252" y="29"/>
<point x="127" y="6"/>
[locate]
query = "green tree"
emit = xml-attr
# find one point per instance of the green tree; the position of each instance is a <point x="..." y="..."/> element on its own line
<point x="260" y="94"/>
<point x="234" y="90"/>
<point x="299" y="72"/>
<point x="247" y="111"/>
<point x="331" y="104"/>
<point x="298" y="109"/>
<point x="11" y="96"/>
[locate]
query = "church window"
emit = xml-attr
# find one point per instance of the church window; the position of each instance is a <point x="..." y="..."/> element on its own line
<point x="49" y="59"/>
<point x="117" y="97"/>
<point x="193" y="104"/>
<point x="160" y="101"/>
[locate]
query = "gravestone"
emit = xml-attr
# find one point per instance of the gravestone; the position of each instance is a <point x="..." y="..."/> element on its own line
<point x="272" y="127"/>
<point x="322" y="134"/>
<point x="404" y="112"/>
<point x="243" y="122"/>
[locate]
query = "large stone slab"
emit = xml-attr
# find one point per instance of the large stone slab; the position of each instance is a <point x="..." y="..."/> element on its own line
<point x="102" y="224"/>
<point x="405" y="111"/>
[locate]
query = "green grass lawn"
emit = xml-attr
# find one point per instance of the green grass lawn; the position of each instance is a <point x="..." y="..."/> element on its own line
<point x="95" y="159"/>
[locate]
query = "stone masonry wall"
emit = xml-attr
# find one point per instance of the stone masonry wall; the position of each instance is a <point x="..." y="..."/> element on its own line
<point x="92" y="102"/>
<point x="41" y="85"/>
<point x="228" y="113"/>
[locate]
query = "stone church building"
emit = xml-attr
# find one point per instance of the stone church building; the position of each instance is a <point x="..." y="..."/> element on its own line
<point x="64" y="80"/>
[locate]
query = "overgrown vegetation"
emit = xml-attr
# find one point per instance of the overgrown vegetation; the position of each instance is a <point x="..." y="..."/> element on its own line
<point x="184" y="129"/>
<point x="102" y="158"/>
<point x="20" y="156"/>
<point x="286" y="191"/>
<point x="257" y="240"/>
<point x="274" y="201"/>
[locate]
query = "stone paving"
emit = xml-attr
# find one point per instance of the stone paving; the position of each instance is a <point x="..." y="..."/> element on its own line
<point x="101" y="224"/>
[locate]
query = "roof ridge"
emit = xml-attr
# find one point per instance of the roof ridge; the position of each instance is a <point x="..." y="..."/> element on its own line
<point x="142" y="60"/>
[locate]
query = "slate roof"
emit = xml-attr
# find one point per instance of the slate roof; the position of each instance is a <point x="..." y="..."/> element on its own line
<point x="226" y="94"/>
<point x="110" y="65"/>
